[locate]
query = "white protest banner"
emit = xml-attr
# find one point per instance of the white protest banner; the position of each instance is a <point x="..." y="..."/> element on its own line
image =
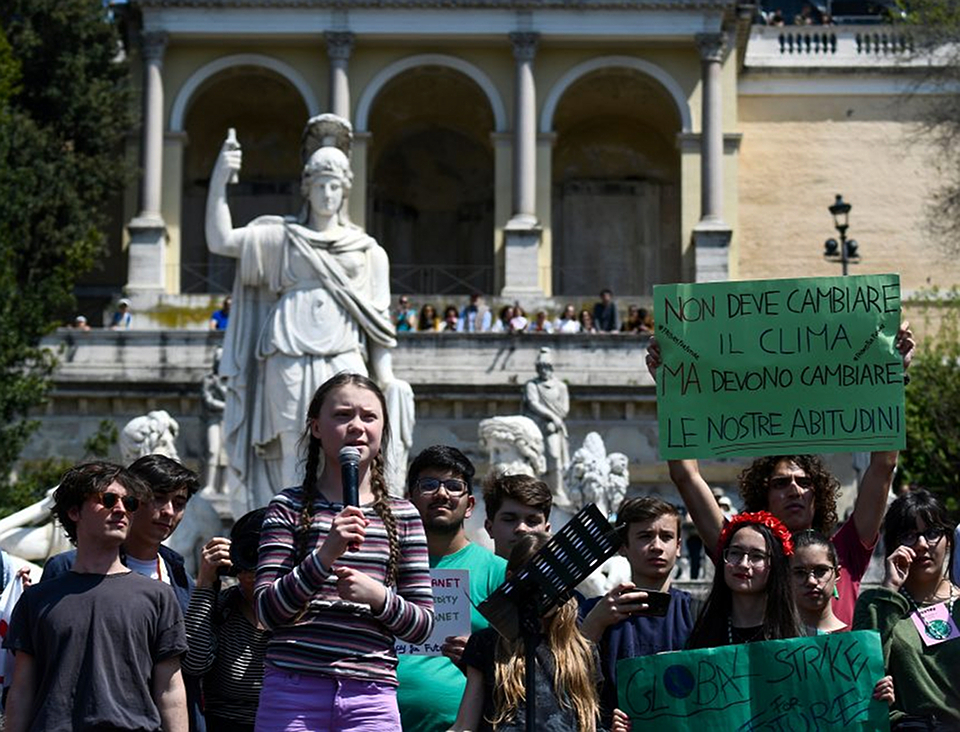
<point x="451" y="600"/>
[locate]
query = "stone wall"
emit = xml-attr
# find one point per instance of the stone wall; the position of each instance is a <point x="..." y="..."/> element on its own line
<point x="458" y="379"/>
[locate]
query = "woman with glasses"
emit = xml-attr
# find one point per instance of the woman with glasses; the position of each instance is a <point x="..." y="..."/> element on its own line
<point x="916" y="614"/>
<point x="752" y="597"/>
<point x="814" y="569"/>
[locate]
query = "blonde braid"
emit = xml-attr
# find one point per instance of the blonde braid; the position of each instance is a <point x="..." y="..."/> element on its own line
<point x="381" y="505"/>
<point x="309" y="493"/>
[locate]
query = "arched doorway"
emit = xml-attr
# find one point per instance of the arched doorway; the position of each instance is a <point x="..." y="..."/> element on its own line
<point x="430" y="201"/>
<point x="616" y="185"/>
<point x="269" y="114"/>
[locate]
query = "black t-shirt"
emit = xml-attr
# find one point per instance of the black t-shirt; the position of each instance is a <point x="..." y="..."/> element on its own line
<point x="95" y="639"/>
<point x="551" y="716"/>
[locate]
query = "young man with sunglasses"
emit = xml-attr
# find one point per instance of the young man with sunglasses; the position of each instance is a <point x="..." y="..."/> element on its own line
<point x="172" y="485"/>
<point x="98" y="647"/>
<point x="801" y="492"/>
<point x="440" y="482"/>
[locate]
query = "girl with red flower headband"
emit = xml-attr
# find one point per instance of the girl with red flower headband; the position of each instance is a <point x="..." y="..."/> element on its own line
<point x="752" y="596"/>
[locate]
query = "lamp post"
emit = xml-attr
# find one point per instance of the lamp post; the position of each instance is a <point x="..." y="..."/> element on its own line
<point x="844" y="251"/>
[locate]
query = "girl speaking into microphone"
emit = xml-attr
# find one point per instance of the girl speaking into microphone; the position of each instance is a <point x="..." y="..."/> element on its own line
<point x="337" y="585"/>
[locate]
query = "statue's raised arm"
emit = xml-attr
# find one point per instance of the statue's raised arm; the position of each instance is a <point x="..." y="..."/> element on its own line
<point x="219" y="224"/>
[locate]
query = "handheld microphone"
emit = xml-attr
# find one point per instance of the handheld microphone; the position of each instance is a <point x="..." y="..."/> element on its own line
<point x="350" y="475"/>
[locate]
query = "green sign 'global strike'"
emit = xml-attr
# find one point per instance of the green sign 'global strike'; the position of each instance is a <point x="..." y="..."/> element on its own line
<point x="768" y="367"/>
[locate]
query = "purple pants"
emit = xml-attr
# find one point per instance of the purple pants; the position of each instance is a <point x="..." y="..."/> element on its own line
<point x="291" y="702"/>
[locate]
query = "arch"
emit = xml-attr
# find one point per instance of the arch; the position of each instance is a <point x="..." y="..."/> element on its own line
<point x="603" y="62"/>
<point x="430" y="59"/>
<point x="189" y="88"/>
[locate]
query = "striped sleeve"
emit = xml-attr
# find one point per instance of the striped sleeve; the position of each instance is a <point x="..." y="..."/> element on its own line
<point x="408" y="611"/>
<point x="282" y="589"/>
<point x="201" y="639"/>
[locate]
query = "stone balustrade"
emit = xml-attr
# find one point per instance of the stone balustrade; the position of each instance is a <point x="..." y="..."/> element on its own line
<point x="831" y="46"/>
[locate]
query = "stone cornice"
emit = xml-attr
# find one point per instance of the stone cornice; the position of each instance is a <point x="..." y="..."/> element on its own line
<point x="692" y="5"/>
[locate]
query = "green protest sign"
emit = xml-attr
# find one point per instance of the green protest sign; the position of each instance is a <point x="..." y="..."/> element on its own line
<point x="810" y="684"/>
<point x="771" y="367"/>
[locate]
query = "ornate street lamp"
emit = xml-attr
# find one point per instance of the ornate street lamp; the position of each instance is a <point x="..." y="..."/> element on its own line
<point x="844" y="251"/>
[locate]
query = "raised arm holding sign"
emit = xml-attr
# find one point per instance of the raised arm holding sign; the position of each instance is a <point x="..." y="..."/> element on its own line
<point x="764" y="366"/>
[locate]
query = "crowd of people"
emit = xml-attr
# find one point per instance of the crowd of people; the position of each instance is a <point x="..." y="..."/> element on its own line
<point x="116" y="635"/>
<point x="477" y="317"/>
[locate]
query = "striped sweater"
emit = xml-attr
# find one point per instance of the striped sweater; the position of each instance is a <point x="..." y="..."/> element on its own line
<point x="334" y="637"/>
<point x="228" y="655"/>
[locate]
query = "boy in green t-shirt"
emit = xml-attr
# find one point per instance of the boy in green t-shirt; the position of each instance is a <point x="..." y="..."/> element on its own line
<point x="440" y="483"/>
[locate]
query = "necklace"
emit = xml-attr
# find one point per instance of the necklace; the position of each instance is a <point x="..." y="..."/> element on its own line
<point x="757" y="633"/>
<point x="936" y="629"/>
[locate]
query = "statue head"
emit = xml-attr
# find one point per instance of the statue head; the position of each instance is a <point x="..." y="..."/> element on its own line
<point x="326" y="181"/>
<point x="326" y="154"/>
<point x="545" y="363"/>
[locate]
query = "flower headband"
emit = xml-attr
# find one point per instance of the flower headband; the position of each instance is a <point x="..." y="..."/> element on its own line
<point x="764" y="518"/>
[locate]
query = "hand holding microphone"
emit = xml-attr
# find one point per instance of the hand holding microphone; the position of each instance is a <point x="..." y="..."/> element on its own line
<point x="350" y="481"/>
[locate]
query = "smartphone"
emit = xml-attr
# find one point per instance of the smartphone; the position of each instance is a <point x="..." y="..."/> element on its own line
<point x="657" y="603"/>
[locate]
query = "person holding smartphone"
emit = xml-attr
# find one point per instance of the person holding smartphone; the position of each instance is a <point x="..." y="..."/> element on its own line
<point x="646" y="615"/>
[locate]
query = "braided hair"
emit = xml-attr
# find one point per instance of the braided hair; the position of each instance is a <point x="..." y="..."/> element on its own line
<point x="378" y="483"/>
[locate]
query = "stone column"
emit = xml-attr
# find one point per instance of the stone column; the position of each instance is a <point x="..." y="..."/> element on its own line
<point x="522" y="233"/>
<point x="711" y="236"/>
<point x="147" y="230"/>
<point x="339" y="48"/>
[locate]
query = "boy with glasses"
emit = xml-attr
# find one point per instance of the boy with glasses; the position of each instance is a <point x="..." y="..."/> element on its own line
<point x="440" y="482"/>
<point x="98" y="647"/>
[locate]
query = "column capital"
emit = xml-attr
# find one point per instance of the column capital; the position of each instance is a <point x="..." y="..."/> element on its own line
<point x="524" y="45"/>
<point x="711" y="45"/>
<point x="339" y="44"/>
<point x="154" y="43"/>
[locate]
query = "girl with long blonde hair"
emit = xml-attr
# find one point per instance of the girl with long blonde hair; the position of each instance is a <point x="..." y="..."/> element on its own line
<point x="567" y="671"/>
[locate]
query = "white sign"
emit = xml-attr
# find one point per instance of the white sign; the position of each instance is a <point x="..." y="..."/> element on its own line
<point x="451" y="602"/>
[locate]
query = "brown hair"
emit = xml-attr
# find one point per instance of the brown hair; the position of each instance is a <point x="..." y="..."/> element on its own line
<point x="755" y="487"/>
<point x="521" y="488"/>
<point x="87" y="479"/>
<point x="381" y="496"/>
<point x="645" y="508"/>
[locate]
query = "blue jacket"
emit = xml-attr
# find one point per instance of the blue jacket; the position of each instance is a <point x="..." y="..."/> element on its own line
<point x="182" y="585"/>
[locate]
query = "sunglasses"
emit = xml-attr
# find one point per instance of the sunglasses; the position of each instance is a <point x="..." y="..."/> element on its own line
<point x="109" y="500"/>
<point x="784" y="481"/>
<point x="819" y="573"/>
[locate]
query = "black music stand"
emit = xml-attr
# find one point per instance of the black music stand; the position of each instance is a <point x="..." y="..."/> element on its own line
<point x="516" y="607"/>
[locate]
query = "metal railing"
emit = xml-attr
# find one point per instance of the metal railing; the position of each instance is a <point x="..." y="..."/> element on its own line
<point x="440" y="279"/>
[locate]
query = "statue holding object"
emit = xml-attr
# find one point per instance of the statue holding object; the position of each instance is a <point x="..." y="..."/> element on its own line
<point x="311" y="298"/>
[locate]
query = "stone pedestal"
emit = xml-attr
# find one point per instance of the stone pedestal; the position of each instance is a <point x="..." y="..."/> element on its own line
<point x="521" y="267"/>
<point x="148" y="240"/>
<point x="711" y="244"/>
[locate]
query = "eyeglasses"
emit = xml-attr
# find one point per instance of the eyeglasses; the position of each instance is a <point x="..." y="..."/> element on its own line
<point x="932" y="535"/>
<point x="109" y="500"/>
<point x="784" y="481"/>
<point x="819" y="573"/>
<point x="429" y="486"/>
<point x="733" y="557"/>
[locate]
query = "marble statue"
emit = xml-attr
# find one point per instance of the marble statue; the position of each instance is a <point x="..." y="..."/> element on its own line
<point x="155" y="433"/>
<point x="546" y="401"/>
<point x="311" y="298"/>
<point x="514" y="446"/>
<point x="594" y="476"/>
<point x="214" y="400"/>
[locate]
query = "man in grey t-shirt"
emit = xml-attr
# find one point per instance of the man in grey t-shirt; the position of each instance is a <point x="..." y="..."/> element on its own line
<point x="98" y="647"/>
